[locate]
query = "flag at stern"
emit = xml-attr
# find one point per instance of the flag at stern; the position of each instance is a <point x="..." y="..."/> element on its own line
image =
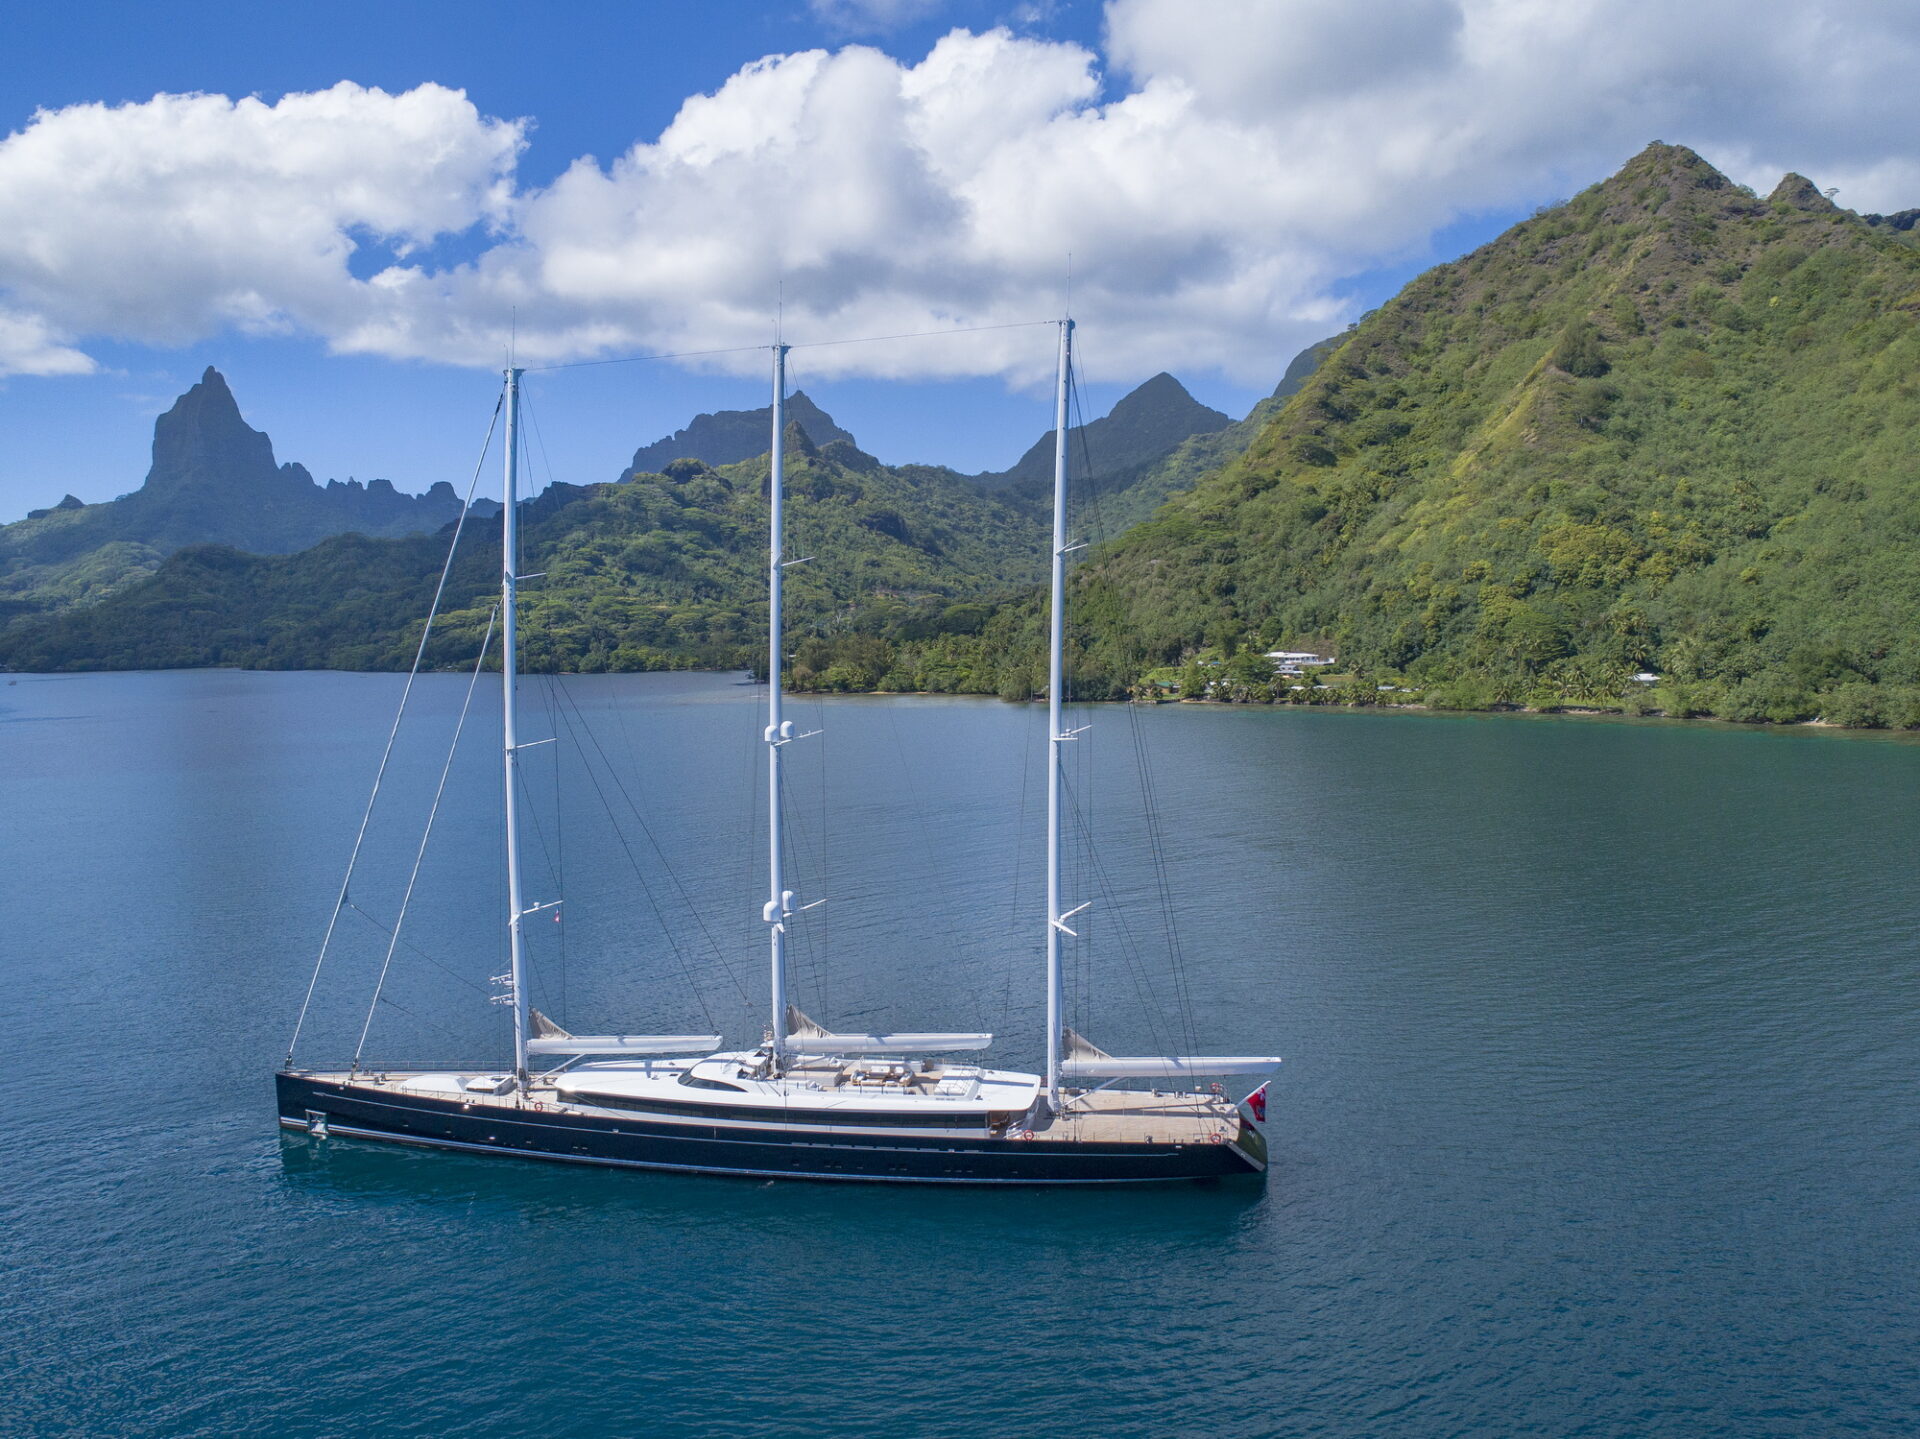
<point x="1257" y="1103"/>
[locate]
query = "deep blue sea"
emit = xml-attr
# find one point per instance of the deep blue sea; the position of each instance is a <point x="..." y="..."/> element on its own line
<point x="1599" y="1115"/>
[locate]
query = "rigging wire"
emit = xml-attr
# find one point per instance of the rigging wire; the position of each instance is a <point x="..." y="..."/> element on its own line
<point x="1130" y="951"/>
<point x="802" y="955"/>
<point x="576" y="726"/>
<point x="826" y="917"/>
<point x="805" y="345"/>
<point x="386" y="754"/>
<point x="637" y="359"/>
<point x="555" y="853"/>
<point x="1149" y="794"/>
<point x="922" y="334"/>
<point x="559" y="873"/>
<point x="1157" y="850"/>
<point x="437" y="963"/>
<point x="420" y="854"/>
<point x="634" y="767"/>
<point x="639" y="874"/>
<point x="803" y="952"/>
<point x="420" y="1018"/>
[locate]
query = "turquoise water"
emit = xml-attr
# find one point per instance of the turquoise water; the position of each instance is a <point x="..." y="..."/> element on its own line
<point x="1599" y="1113"/>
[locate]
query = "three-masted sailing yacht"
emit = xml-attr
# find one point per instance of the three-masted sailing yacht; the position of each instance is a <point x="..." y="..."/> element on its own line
<point x="807" y="1102"/>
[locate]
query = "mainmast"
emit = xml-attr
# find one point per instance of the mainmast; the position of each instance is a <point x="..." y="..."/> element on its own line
<point x="1056" y="731"/>
<point x="779" y="899"/>
<point x="509" y="557"/>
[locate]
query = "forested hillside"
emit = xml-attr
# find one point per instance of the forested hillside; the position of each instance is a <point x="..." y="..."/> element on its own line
<point x="1667" y="427"/>
<point x="656" y="571"/>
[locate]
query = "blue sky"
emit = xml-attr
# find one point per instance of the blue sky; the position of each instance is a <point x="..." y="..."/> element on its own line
<point x="1235" y="181"/>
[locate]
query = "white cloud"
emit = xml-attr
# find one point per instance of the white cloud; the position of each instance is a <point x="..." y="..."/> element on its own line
<point x="166" y="220"/>
<point x="29" y="347"/>
<point x="1217" y="179"/>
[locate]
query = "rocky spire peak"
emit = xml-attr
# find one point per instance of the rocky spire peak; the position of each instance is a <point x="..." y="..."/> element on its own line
<point x="203" y="439"/>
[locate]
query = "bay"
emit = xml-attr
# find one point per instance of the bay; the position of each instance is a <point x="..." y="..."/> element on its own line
<point x="1598" y="1114"/>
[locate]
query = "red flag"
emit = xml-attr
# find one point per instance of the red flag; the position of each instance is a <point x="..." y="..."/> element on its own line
<point x="1257" y="1102"/>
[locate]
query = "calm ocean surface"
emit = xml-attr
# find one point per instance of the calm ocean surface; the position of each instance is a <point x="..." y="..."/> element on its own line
<point x="1599" y="1114"/>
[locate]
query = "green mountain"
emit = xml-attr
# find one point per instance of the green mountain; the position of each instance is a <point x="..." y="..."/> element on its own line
<point x="213" y="480"/>
<point x="730" y="436"/>
<point x="1116" y="501"/>
<point x="650" y="572"/>
<point x="1146" y="425"/>
<point x="657" y="569"/>
<point x="1667" y="427"/>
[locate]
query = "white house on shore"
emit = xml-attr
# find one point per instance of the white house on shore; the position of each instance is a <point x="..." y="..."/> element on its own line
<point x="1293" y="662"/>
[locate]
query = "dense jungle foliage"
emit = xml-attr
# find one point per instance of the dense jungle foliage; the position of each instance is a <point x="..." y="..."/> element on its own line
<point x="1667" y="427"/>
<point x="658" y="570"/>
<point x="652" y="572"/>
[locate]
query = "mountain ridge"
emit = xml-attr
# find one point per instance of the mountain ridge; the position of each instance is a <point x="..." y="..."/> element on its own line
<point x="188" y="446"/>
<point x="1656" y="449"/>
<point x="1144" y="425"/>
<point x="726" y="437"/>
<point x="213" y="479"/>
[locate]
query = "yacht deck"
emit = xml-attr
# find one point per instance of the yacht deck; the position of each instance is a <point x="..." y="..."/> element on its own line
<point x="1101" y="1116"/>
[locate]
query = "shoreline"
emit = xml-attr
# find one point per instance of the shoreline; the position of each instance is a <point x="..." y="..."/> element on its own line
<point x="1595" y="712"/>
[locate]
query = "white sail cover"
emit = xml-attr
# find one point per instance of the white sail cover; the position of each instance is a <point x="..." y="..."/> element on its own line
<point x="806" y="1037"/>
<point x="1085" y="1060"/>
<point x="550" y="1038"/>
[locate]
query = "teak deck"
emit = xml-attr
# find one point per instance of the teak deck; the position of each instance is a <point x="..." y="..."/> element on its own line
<point x="1101" y="1116"/>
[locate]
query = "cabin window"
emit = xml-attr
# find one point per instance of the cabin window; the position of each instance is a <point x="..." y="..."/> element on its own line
<point x="693" y="1081"/>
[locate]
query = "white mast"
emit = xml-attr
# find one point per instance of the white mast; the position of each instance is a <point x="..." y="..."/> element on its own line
<point x="509" y="555"/>
<point x="1056" y="734"/>
<point x="779" y="899"/>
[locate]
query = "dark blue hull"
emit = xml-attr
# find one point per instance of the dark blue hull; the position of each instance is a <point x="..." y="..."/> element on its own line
<point x="641" y="1142"/>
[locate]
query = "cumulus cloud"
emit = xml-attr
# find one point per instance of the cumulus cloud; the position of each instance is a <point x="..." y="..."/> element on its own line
<point x="1218" y="173"/>
<point x="162" y="221"/>
<point x="28" y="346"/>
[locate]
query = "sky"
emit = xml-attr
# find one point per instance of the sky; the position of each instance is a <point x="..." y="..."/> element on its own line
<point x="354" y="210"/>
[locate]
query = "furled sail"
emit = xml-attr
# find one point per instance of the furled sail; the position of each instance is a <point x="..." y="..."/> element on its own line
<point x="806" y="1037"/>
<point x="550" y="1038"/>
<point x="1085" y="1060"/>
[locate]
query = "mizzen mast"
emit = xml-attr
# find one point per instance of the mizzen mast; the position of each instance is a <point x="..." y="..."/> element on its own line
<point x="509" y="674"/>
<point x="779" y="899"/>
<point x="1056" y="733"/>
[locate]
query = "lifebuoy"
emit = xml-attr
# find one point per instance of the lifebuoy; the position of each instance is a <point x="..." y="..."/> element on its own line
<point x="1023" y="1134"/>
<point x="1216" y="1138"/>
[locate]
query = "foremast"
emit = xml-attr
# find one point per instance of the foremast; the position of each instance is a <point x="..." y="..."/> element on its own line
<point x="1056" y="730"/>
<point x="779" y="906"/>
<point x="509" y="674"/>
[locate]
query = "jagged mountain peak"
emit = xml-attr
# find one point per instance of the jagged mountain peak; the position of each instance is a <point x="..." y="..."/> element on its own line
<point x="1161" y="386"/>
<point x="726" y="437"/>
<point x="1147" y="423"/>
<point x="202" y="439"/>
<point x="213" y="480"/>
<point x="1659" y="159"/>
